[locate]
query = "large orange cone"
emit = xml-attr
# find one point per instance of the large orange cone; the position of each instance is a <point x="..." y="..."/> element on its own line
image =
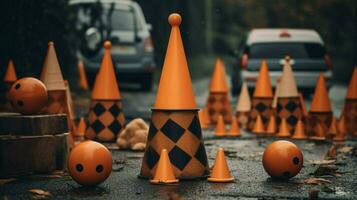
<point x="10" y="74"/>
<point x="283" y="129"/>
<point x="271" y="129"/>
<point x="243" y="106"/>
<point x="234" y="130"/>
<point x="352" y="88"/>
<point x="299" y="131"/>
<point x="218" y="80"/>
<point x="106" y="117"/>
<point x="164" y="173"/>
<point x="341" y="130"/>
<point x="81" y="128"/>
<point x="82" y="79"/>
<point x="320" y="101"/>
<point x="258" y="126"/>
<point x="175" y="124"/>
<point x="220" y="172"/>
<point x="175" y="74"/>
<point x="263" y="87"/>
<point x="350" y="108"/>
<point x="220" y="129"/>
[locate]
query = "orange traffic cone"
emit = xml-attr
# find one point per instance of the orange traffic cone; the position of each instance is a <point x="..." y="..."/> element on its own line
<point x="262" y="99"/>
<point x="283" y="129"/>
<point x="202" y="119"/>
<point x="350" y="108"/>
<point x="106" y="117"/>
<point x="81" y="128"/>
<point x="220" y="172"/>
<point x="51" y="76"/>
<point x="332" y="131"/>
<point x="69" y="110"/>
<point x="258" y="126"/>
<point x="243" y="106"/>
<point x="218" y="102"/>
<point x="82" y="80"/>
<point x="220" y="129"/>
<point x="174" y="121"/>
<point x="320" y="109"/>
<point x="206" y="117"/>
<point x="164" y="174"/>
<point x="341" y="130"/>
<point x="299" y="131"/>
<point x="9" y="79"/>
<point x="271" y="129"/>
<point x="288" y="105"/>
<point x="234" y="131"/>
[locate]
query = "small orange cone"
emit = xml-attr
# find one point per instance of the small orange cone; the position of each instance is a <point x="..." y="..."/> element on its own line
<point x="352" y="87"/>
<point x="82" y="81"/>
<point x="220" y="172"/>
<point x="234" y="131"/>
<point x="271" y="129"/>
<point x="206" y="117"/>
<point x="263" y="87"/>
<point x="81" y="128"/>
<point x="258" y="126"/>
<point x="283" y="129"/>
<point x="332" y="131"/>
<point x="10" y="74"/>
<point x="299" y="131"/>
<point x="319" y="133"/>
<point x="220" y="127"/>
<point x="202" y="119"/>
<point x="341" y="130"/>
<point x="164" y="173"/>
<point x="320" y="101"/>
<point x="350" y="107"/>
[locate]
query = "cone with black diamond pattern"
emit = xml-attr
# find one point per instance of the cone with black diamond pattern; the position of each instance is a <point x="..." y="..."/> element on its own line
<point x="175" y="124"/>
<point x="262" y="100"/>
<point x="106" y="117"/>
<point x="288" y="104"/>
<point x="218" y="102"/>
<point x="350" y="108"/>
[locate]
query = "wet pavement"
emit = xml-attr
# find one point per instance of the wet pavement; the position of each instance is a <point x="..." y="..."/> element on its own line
<point x="243" y="154"/>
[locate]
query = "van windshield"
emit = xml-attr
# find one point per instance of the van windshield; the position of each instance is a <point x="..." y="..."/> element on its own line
<point x="280" y="50"/>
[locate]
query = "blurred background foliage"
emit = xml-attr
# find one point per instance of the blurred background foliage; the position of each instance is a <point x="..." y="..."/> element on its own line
<point x="210" y="28"/>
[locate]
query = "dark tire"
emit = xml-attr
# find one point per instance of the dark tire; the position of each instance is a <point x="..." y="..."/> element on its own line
<point x="146" y="83"/>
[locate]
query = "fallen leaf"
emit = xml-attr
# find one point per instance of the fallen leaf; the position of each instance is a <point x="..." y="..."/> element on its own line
<point x="321" y="162"/>
<point x="40" y="193"/>
<point x="323" y="170"/>
<point x="9" y="180"/>
<point x="346" y="149"/>
<point x="317" y="181"/>
<point x="331" y="153"/>
<point x="120" y="161"/>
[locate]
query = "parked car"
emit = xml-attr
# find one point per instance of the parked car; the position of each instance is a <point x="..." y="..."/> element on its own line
<point x="123" y="23"/>
<point x="308" y="55"/>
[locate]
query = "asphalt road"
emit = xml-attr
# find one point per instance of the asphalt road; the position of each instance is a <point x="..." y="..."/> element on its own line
<point x="243" y="155"/>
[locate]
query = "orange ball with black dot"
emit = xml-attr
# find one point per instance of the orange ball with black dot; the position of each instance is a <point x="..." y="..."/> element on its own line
<point x="90" y="163"/>
<point x="28" y="96"/>
<point x="282" y="159"/>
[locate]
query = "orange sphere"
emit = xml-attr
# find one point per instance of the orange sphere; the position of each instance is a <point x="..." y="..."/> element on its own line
<point x="28" y="96"/>
<point x="282" y="159"/>
<point x="90" y="163"/>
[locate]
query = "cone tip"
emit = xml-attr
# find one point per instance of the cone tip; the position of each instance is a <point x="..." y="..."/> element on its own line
<point x="175" y="19"/>
<point x="107" y="44"/>
<point x="51" y="43"/>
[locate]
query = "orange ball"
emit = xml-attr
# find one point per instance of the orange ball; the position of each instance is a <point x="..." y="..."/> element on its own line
<point x="282" y="159"/>
<point x="90" y="163"/>
<point x="28" y="96"/>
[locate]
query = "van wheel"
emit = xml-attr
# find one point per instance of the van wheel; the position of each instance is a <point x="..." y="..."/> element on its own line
<point x="146" y="83"/>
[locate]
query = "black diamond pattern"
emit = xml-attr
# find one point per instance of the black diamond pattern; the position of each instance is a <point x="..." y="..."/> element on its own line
<point x="195" y="127"/>
<point x="279" y="107"/>
<point x="151" y="157"/>
<point x="114" y="110"/>
<point x="261" y="107"/>
<point x="179" y="158"/>
<point x="98" y="109"/>
<point x="152" y="131"/>
<point x="201" y="155"/>
<point x="115" y="127"/>
<point x="291" y="106"/>
<point x="172" y="130"/>
<point x="97" y="126"/>
<point x="292" y="120"/>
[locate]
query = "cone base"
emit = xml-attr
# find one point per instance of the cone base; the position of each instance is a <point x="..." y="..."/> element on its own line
<point x="230" y="134"/>
<point x="299" y="137"/>
<point x="283" y="135"/>
<point x="317" y="138"/>
<point x="339" y="139"/>
<point x="163" y="182"/>
<point x="220" y="180"/>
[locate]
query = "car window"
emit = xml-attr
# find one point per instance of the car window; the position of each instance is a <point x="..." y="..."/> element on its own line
<point x="122" y="20"/>
<point x="280" y="50"/>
